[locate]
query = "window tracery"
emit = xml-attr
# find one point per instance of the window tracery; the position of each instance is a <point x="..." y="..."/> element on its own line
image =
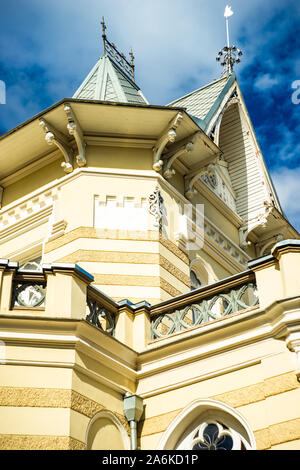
<point x="214" y="435"/>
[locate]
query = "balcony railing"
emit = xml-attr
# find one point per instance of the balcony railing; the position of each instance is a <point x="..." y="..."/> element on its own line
<point x="206" y="304"/>
<point x="29" y="290"/>
<point x="176" y="315"/>
<point x="100" y="311"/>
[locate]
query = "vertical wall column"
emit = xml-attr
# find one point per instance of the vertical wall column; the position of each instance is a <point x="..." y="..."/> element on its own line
<point x="66" y="290"/>
<point x="7" y="273"/>
<point x="133" y="325"/>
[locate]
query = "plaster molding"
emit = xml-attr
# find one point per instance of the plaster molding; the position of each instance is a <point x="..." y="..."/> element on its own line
<point x="109" y="141"/>
<point x="57" y="230"/>
<point x="16" y="229"/>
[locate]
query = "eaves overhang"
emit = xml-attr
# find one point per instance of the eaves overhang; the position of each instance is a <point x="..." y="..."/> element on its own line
<point x="25" y="144"/>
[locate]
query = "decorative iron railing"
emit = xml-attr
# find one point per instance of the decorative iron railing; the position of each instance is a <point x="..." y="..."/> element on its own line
<point x="100" y="313"/>
<point x="29" y="290"/>
<point x="204" y="310"/>
<point x="118" y="57"/>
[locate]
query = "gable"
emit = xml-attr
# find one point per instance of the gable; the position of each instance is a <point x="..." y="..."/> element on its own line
<point x="243" y="167"/>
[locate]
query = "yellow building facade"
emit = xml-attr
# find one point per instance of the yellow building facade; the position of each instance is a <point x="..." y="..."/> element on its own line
<point x="149" y="280"/>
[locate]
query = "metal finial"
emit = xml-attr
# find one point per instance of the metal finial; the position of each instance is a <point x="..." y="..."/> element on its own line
<point x="119" y="58"/>
<point x="103" y="34"/>
<point x="131" y="57"/>
<point x="230" y="55"/>
<point x="103" y="26"/>
<point x="132" y="61"/>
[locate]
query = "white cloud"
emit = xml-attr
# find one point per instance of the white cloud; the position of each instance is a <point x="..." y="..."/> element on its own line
<point x="174" y="42"/>
<point x="265" y="81"/>
<point x="287" y="184"/>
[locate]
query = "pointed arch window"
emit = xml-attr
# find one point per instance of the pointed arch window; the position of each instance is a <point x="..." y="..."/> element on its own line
<point x="195" y="282"/>
<point x="207" y="424"/>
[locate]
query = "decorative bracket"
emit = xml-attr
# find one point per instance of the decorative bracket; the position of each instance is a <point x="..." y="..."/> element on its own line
<point x="53" y="136"/>
<point x="155" y="201"/>
<point x="171" y="157"/>
<point x="169" y="135"/>
<point x="260" y="221"/>
<point x="75" y="130"/>
<point x="191" y="179"/>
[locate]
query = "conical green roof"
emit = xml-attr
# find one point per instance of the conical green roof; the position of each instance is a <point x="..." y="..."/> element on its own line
<point x="107" y="82"/>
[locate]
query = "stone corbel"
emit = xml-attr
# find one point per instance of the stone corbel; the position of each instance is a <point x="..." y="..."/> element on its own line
<point x="191" y="179"/>
<point x="53" y="136"/>
<point x="170" y="158"/>
<point x="169" y="135"/>
<point x="75" y="130"/>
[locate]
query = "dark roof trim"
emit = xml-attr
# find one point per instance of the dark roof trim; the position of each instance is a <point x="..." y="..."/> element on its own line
<point x="219" y="100"/>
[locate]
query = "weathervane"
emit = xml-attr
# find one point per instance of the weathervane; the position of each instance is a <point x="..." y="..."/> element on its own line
<point x="118" y="57"/>
<point x="229" y="54"/>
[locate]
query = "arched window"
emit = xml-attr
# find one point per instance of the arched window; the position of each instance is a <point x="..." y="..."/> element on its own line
<point x="106" y="432"/>
<point x="208" y="425"/>
<point x="195" y="283"/>
<point x="200" y="274"/>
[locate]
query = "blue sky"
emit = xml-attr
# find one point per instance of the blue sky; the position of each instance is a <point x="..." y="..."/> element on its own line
<point x="47" y="49"/>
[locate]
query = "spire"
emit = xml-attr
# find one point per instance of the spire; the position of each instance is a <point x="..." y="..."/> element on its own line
<point x="118" y="57"/>
<point x="229" y="54"/>
<point x="103" y="33"/>
<point x="112" y="78"/>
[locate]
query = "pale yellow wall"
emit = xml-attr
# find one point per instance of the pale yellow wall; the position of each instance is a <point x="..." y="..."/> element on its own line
<point x="265" y="393"/>
<point x="216" y="216"/>
<point x="32" y="182"/>
<point x="111" y="157"/>
<point x="214" y="269"/>
<point x="71" y="203"/>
